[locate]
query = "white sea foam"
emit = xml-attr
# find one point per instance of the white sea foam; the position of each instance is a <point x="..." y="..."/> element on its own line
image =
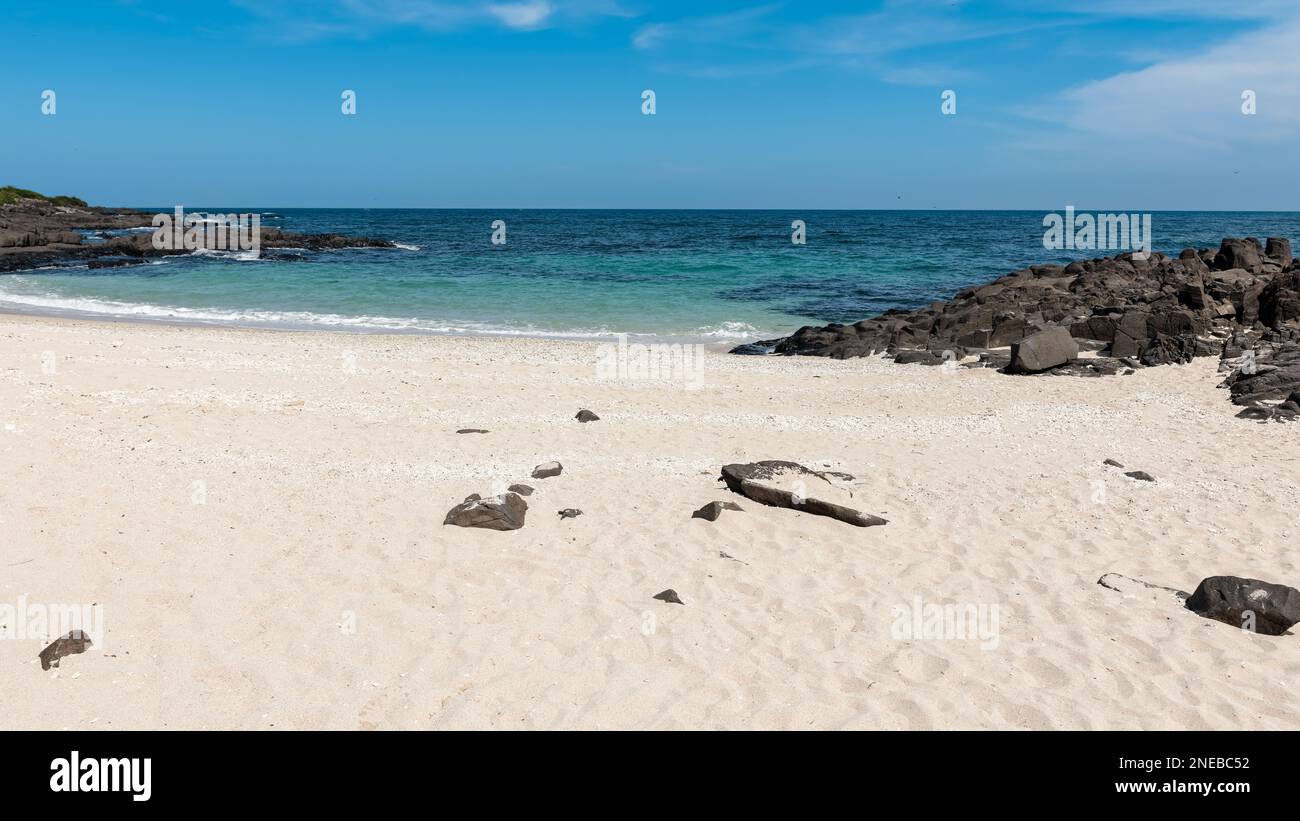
<point x="55" y="304"/>
<point x="406" y="247"/>
<point x="737" y="330"/>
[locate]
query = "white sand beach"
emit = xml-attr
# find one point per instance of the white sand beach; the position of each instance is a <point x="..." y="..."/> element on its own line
<point x="258" y="515"/>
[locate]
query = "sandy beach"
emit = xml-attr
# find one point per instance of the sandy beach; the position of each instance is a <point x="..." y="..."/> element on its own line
<point x="258" y="516"/>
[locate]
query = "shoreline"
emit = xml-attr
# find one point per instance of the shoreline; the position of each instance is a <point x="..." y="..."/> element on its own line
<point x="712" y="346"/>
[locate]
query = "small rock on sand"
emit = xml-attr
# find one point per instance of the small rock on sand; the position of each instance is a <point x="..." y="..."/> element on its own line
<point x="547" y="470"/>
<point x="670" y="596"/>
<point x="1140" y="475"/>
<point x="713" y="510"/>
<point x="503" y="512"/>
<point x="1113" y="463"/>
<point x="69" y="644"/>
<point x="522" y="490"/>
<point x="570" y="513"/>
<point x="471" y="430"/>
<point x="585" y="415"/>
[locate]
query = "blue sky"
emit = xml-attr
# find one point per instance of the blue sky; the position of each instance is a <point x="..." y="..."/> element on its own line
<point x="1132" y="104"/>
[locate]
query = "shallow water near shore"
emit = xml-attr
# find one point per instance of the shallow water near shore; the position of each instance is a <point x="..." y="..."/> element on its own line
<point x="674" y="275"/>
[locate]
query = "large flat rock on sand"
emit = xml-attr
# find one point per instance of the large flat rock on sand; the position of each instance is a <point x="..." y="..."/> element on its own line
<point x="791" y="485"/>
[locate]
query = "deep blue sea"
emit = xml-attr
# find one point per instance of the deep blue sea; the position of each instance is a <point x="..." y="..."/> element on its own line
<point x="682" y="275"/>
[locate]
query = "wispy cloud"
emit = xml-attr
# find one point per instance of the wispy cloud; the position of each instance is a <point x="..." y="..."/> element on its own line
<point x="1195" y="99"/>
<point x="736" y="27"/>
<point x="1191" y="9"/>
<point x="320" y="19"/>
<point x="722" y="45"/>
<point x="526" y="15"/>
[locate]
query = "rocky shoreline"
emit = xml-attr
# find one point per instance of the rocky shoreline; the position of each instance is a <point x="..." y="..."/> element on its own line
<point x="1098" y="317"/>
<point x="40" y="233"/>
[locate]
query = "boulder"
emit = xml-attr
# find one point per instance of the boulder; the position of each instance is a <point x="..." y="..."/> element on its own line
<point x="1238" y="253"/>
<point x="1043" y="351"/>
<point x="503" y="512"/>
<point x="1163" y="349"/>
<point x="1274" y="377"/>
<point x="1274" y="607"/>
<point x="1278" y="249"/>
<point x="791" y="485"/>
<point x="1130" y="334"/>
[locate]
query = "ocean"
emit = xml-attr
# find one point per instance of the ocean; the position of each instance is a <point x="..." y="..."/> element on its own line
<point x="695" y="276"/>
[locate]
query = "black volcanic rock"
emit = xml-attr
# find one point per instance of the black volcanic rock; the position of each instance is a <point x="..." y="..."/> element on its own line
<point x="1261" y="607"/>
<point x="37" y="233"/>
<point x="791" y="485"/>
<point x="1131" y="311"/>
<point x="713" y="510"/>
<point x="69" y="644"/>
<point x="1043" y="351"/>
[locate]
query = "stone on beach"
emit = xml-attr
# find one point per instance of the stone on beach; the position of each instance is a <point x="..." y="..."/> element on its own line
<point x="585" y="415"/>
<point x="791" y="485"/>
<point x="1043" y="351"/>
<point x="502" y="512"/>
<point x="522" y="490"/>
<point x="570" y="513"/>
<point x="713" y="510"/>
<point x="1140" y="475"/>
<point x="69" y="644"/>
<point x="547" y="469"/>
<point x="669" y="596"/>
<point x="471" y="430"/>
<point x="1273" y="608"/>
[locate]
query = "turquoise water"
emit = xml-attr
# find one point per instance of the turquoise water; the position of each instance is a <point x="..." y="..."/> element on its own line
<point x="687" y="275"/>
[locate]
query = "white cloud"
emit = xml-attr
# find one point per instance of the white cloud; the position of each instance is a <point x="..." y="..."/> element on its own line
<point x="1200" y="9"/>
<point x="524" y="15"/>
<point x="1197" y="99"/>
<point x="732" y="26"/>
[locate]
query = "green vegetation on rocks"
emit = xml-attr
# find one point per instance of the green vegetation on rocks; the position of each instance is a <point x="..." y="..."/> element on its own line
<point x="10" y="194"/>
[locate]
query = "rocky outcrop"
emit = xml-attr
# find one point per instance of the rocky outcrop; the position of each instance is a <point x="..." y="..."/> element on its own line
<point x="791" y="485"/>
<point x="1240" y="302"/>
<point x="1264" y="376"/>
<point x="37" y="233"/>
<point x="1154" y="311"/>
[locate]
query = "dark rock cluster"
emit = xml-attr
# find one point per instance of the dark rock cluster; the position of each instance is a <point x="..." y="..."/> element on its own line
<point x="1240" y="302"/>
<point x="36" y="233"/>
